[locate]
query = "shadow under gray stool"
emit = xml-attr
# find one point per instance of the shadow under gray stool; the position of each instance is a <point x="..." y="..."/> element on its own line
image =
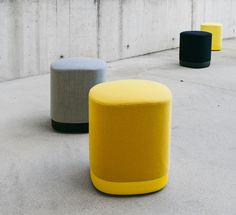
<point x="71" y="80"/>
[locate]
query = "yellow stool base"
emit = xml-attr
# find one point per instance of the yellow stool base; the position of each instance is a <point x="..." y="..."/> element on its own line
<point x="128" y="188"/>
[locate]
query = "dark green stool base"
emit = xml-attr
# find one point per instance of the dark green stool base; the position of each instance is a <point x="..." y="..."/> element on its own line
<point x="70" y="127"/>
<point x="194" y="65"/>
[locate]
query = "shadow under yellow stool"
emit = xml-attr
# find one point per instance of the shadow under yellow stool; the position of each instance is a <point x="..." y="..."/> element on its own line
<point x="129" y="135"/>
<point x="216" y="30"/>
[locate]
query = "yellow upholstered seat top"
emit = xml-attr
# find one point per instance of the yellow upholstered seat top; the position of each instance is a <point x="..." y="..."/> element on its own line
<point x="130" y="92"/>
<point x="212" y="24"/>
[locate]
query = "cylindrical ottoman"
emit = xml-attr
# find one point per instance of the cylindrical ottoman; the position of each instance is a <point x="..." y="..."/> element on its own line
<point x="129" y="136"/>
<point x="216" y="30"/>
<point x="71" y="80"/>
<point x="195" y="49"/>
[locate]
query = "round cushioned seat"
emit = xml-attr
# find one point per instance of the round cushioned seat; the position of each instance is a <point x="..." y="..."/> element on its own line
<point x="216" y="30"/>
<point x="71" y="80"/>
<point x="129" y="136"/>
<point x="195" y="49"/>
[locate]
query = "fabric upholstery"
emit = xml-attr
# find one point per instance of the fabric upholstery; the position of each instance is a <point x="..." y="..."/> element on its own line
<point x="195" y="47"/>
<point x="129" y="131"/>
<point x="216" y="30"/>
<point x="71" y="80"/>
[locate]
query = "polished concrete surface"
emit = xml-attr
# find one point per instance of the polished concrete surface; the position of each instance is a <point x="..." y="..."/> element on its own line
<point x="45" y="172"/>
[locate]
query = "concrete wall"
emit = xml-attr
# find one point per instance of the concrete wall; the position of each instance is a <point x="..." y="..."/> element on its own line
<point x="33" y="33"/>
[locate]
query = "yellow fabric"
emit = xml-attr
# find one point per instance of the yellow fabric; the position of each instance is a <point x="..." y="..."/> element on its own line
<point x="216" y="30"/>
<point x="130" y="92"/>
<point x="129" y="131"/>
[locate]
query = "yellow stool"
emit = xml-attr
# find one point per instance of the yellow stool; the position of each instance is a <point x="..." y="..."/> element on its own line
<point x="129" y="135"/>
<point x="216" y="30"/>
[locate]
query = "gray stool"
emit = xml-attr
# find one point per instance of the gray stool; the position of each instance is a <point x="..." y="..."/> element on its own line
<point x="71" y="80"/>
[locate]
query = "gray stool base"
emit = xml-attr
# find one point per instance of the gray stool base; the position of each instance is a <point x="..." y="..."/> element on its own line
<point x="70" y="127"/>
<point x="194" y="65"/>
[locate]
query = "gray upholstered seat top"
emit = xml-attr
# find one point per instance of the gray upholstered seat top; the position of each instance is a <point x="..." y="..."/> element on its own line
<point x="78" y="64"/>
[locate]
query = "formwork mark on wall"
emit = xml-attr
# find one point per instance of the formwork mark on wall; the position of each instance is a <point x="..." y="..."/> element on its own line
<point x="192" y="14"/>
<point x="38" y="48"/>
<point x="69" y="28"/>
<point x="56" y="13"/>
<point x="120" y="28"/>
<point x="98" y="26"/>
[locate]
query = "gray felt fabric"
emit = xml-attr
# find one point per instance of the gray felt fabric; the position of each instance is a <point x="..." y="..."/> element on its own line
<point x="71" y="80"/>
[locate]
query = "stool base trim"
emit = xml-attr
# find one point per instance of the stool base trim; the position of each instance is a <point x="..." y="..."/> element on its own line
<point x="128" y="188"/>
<point x="216" y="48"/>
<point x="70" y="127"/>
<point x="194" y="65"/>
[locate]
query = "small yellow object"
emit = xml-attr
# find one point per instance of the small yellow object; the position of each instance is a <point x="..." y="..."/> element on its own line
<point x="216" y="30"/>
<point x="129" y="135"/>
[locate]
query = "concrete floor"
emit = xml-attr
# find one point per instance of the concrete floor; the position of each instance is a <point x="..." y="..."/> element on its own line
<point x="44" y="172"/>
